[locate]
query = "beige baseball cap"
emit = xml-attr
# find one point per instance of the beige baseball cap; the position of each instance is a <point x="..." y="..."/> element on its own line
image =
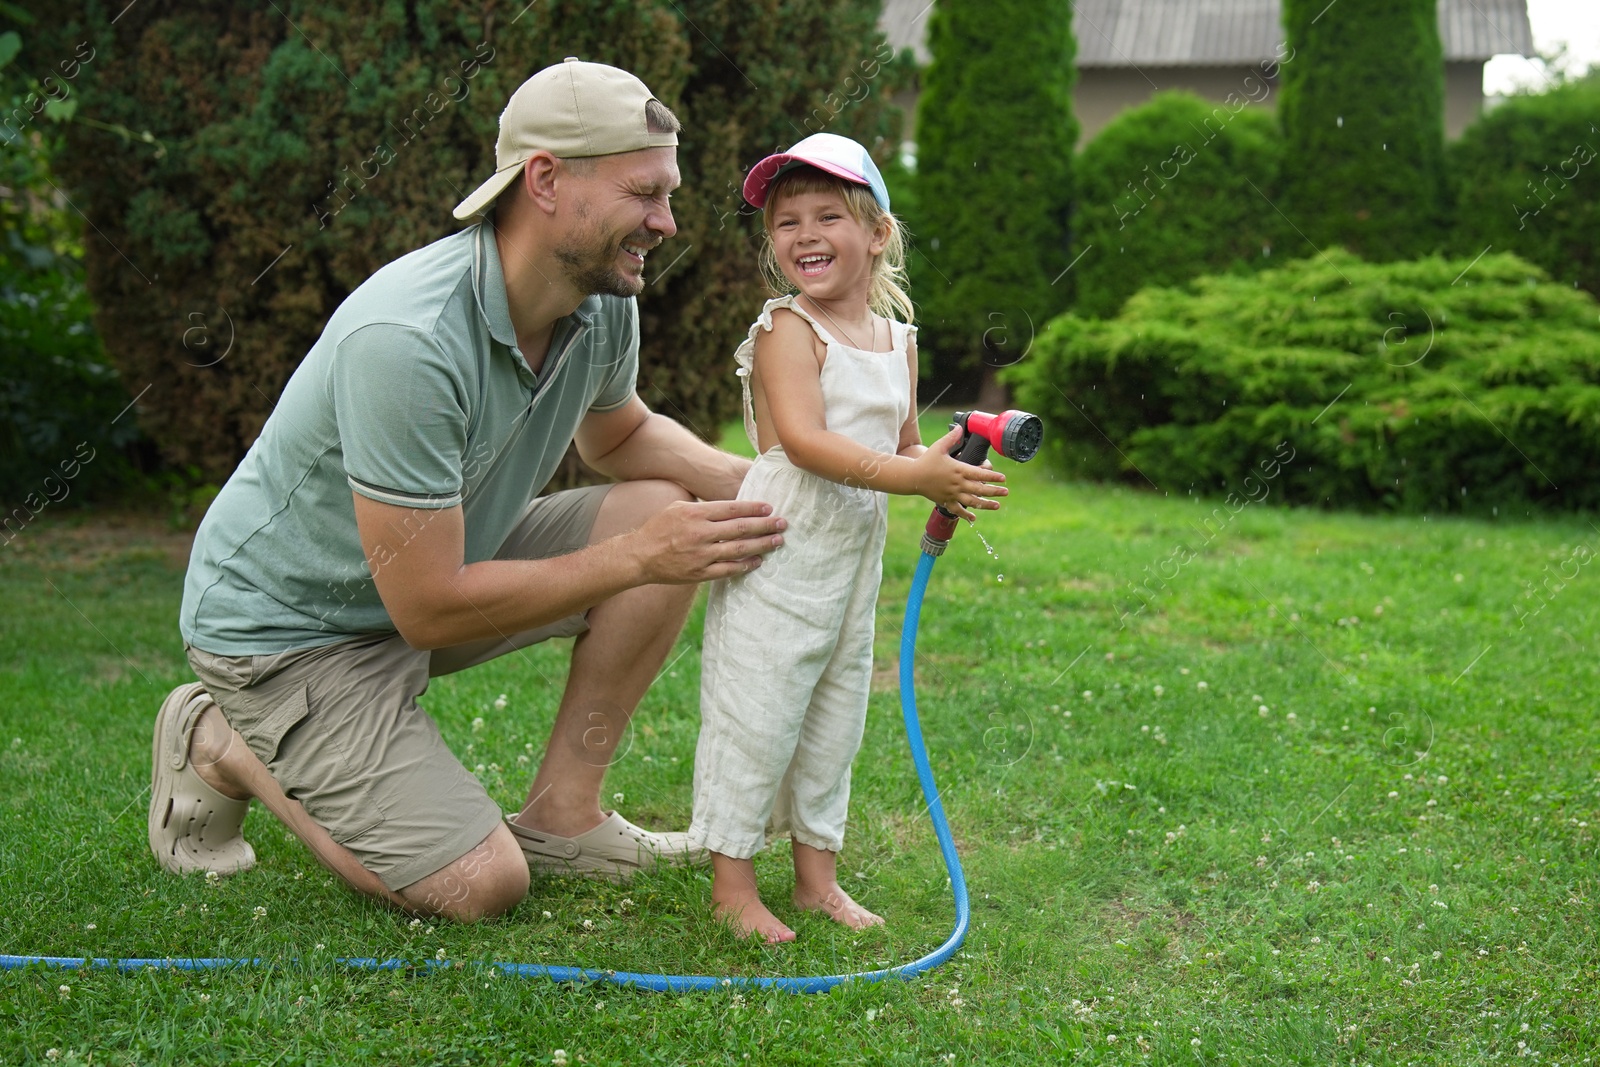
<point x="571" y="109"/>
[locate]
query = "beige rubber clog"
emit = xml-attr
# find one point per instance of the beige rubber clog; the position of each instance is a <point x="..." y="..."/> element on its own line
<point x="192" y="826"/>
<point x="615" y="850"/>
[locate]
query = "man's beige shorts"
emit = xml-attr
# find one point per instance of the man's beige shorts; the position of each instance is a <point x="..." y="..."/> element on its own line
<point x="339" y="727"/>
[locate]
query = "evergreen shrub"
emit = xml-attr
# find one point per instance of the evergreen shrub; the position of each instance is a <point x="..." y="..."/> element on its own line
<point x="1362" y="108"/>
<point x="994" y="178"/>
<point x="294" y="148"/>
<point x="1527" y="180"/>
<point x="1430" y="385"/>
<point x="1174" y="188"/>
<point x="61" y="437"/>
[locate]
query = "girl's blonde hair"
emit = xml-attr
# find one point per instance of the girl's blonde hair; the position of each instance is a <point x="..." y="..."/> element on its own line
<point x="887" y="295"/>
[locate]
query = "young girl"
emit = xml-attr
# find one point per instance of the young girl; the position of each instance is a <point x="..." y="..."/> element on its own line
<point x="830" y="404"/>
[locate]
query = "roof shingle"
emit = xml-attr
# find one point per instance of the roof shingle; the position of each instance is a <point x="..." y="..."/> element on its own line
<point x="1214" y="33"/>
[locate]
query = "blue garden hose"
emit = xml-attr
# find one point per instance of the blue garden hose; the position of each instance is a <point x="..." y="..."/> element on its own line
<point x="668" y="983"/>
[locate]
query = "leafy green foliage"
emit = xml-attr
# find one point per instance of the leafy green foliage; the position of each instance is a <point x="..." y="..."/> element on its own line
<point x="1171" y="189"/>
<point x="60" y="437"/>
<point x="1420" y="386"/>
<point x="994" y="177"/>
<point x="295" y="148"/>
<point x="1527" y="180"/>
<point x="1362" y="108"/>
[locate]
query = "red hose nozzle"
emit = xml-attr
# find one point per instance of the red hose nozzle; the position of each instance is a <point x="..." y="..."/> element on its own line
<point x="1016" y="435"/>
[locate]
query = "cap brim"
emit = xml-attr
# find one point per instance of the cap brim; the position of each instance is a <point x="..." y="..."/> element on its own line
<point x="484" y="195"/>
<point x="759" y="181"/>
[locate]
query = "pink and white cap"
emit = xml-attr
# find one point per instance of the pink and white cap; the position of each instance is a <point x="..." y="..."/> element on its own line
<point x="828" y="152"/>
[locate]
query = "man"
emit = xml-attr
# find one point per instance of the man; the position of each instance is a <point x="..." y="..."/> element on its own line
<point x="380" y="532"/>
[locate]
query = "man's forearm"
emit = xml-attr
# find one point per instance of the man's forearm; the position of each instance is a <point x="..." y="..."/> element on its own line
<point x="661" y="448"/>
<point x="496" y="597"/>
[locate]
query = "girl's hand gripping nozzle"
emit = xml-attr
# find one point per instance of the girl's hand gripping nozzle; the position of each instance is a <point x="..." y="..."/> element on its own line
<point x="1016" y="435"/>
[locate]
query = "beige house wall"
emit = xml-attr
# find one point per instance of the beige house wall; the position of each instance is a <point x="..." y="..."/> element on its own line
<point x="1104" y="92"/>
<point x="1463" y="95"/>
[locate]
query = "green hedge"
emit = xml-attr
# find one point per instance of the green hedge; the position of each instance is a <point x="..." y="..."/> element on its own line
<point x="1527" y="180"/>
<point x="1419" y="386"/>
<point x="1362" y="107"/>
<point x="1172" y="189"/>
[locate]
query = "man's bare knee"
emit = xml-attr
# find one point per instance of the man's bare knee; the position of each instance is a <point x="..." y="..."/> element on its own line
<point x="629" y="504"/>
<point x="488" y="881"/>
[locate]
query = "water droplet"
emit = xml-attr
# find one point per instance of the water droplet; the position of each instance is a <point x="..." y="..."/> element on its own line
<point x="1340" y="121"/>
<point x="999" y="577"/>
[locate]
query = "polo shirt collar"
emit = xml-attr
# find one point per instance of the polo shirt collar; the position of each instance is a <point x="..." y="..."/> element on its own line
<point x="489" y="286"/>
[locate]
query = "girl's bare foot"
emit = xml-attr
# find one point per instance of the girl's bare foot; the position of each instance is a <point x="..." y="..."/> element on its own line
<point x="837" y="905"/>
<point x="816" y="888"/>
<point x="752" y="919"/>
<point x="735" y="901"/>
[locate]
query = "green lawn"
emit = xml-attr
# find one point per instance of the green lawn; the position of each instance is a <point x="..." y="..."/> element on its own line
<point x="1330" y="798"/>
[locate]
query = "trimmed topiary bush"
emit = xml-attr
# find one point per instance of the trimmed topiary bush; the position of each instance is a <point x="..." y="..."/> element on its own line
<point x="1527" y="180"/>
<point x="1336" y="382"/>
<point x="994" y="185"/>
<point x="296" y="148"/>
<point x="1165" y="194"/>
<point x="1362" y="107"/>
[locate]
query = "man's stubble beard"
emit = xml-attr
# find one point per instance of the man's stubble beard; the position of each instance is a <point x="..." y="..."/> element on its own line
<point x="590" y="261"/>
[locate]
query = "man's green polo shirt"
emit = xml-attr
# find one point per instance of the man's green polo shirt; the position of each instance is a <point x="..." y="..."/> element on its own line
<point x="415" y="395"/>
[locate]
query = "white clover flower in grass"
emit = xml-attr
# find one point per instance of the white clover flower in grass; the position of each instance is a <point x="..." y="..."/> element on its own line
<point x="1088" y="694"/>
<point x="1393" y="794"/>
<point x="90" y="926"/>
<point x="1291" y="716"/>
<point x="52" y="1054"/>
<point x="1157" y="690"/>
<point x="64" y="990"/>
<point x="500" y="702"/>
<point x="1195" y="1041"/>
<point x="212" y="878"/>
<point x="559" y="1056"/>
<point x="260" y="913"/>
<point x="414" y="923"/>
<point x="1202" y="686"/>
<point x="616" y="798"/>
<point x="547" y="915"/>
<point x="588" y="924"/>
<point x="477" y="724"/>
<point x="205" y="998"/>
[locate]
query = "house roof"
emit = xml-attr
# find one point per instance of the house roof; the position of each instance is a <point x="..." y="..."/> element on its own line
<point x="1213" y="33"/>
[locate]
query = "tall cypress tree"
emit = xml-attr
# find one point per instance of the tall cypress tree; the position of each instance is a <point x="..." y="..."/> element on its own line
<point x="1362" y="107"/>
<point x="995" y="136"/>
